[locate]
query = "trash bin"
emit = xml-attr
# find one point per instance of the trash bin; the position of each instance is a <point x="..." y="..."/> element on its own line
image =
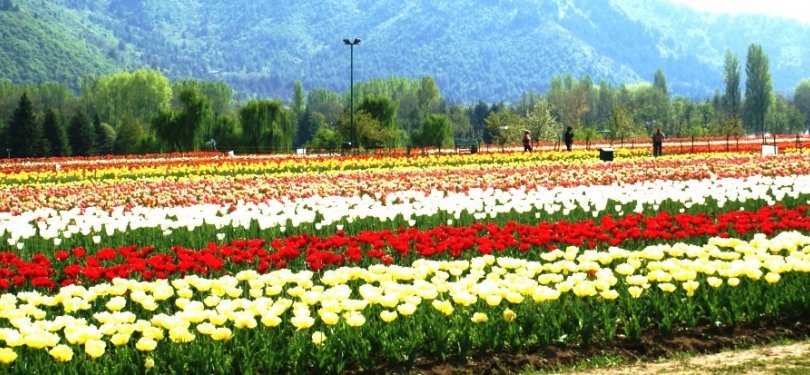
<point x="606" y="154"/>
<point x="770" y="150"/>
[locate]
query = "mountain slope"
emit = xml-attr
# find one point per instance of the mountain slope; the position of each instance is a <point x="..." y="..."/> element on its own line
<point x="48" y="42"/>
<point x="492" y="50"/>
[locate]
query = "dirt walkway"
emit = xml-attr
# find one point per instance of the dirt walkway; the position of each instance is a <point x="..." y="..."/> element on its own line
<point x="783" y="359"/>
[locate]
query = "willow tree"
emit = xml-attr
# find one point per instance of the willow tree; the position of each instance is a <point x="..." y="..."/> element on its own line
<point x="266" y="125"/>
<point x="181" y="129"/>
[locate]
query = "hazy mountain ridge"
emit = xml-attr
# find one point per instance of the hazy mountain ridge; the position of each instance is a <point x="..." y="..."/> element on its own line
<point x="490" y="50"/>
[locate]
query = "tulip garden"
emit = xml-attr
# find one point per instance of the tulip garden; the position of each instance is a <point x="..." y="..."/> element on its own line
<point x="216" y="264"/>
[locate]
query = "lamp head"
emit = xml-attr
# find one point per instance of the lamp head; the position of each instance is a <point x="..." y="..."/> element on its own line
<point x="346" y="41"/>
<point x="356" y="41"/>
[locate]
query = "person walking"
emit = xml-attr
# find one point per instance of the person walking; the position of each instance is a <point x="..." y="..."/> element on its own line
<point x="658" y="142"/>
<point x="527" y="141"/>
<point x="568" y="137"/>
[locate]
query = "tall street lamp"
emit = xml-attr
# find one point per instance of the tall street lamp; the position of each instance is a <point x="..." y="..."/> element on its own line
<point x="351" y="44"/>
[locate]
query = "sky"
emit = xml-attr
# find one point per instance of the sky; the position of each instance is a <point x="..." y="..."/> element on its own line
<point x="796" y="9"/>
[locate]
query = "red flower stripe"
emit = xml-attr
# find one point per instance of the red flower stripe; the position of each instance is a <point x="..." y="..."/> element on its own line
<point x="316" y="253"/>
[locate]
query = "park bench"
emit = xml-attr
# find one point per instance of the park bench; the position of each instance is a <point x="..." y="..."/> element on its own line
<point x="466" y="145"/>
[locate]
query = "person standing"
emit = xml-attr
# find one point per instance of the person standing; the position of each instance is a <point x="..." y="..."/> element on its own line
<point x="568" y="137"/>
<point x="527" y="141"/>
<point x="658" y="142"/>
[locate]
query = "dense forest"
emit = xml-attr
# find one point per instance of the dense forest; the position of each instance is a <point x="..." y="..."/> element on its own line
<point x="144" y="111"/>
<point x="474" y="50"/>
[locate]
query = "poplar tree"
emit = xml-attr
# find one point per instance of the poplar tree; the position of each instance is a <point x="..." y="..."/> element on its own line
<point x="731" y="99"/>
<point x="758" y="89"/>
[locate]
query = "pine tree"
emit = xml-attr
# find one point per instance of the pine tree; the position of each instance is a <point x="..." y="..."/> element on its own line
<point x="24" y="134"/>
<point x="81" y="134"/>
<point x="55" y="134"/>
<point x="105" y="137"/>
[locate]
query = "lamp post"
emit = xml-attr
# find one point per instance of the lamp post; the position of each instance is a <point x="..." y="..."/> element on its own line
<point x="351" y="44"/>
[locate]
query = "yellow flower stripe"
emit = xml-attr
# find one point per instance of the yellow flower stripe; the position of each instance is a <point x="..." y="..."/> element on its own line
<point x="252" y="166"/>
<point x="216" y="307"/>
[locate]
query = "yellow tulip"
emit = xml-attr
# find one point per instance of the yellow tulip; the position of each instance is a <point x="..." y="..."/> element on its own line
<point x="120" y="339"/>
<point x="154" y="333"/>
<point x="95" y="348"/>
<point x="514" y="297"/>
<point x="222" y="334"/>
<point x="245" y="321"/>
<point x="61" y="353"/>
<point x="206" y="328"/>
<point x="185" y="293"/>
<point x="609" y="294"/>
<point x="329" y="318"/>
<point x="355" y="319"/>
<point x="217" y="319"/>
<point x="493" y="299"/>
<point x="7" y="356"/>
<point x="445" y="307"/>
<point x="690" y="287"/>
<point x="389" y="300"/>
<point x="406" y="309"/>
<point x="479" y="317"/>
<point x="509" y="315"/>
<point x="211" y="301"/>
<point x="667" y="287"/>
<point x="302" y="322"/>
<point x="714" y="282"/>
<point x="388" y="316"/>
<point x="148" y="363"/>
<point x="585" y="289"/>
<point x="635" y="291"/>
<point x="318" y="337"/>
<point x="181" y="335"/>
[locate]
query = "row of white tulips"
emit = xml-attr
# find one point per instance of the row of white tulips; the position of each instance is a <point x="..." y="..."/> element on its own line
<point x="410" y="205"/>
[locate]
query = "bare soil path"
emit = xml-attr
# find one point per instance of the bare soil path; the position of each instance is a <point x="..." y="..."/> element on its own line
<point x="760" y="348"/>
<point x="771" y="359"/>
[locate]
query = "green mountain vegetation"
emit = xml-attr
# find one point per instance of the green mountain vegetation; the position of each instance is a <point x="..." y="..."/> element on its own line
<point x="85" y="77"/>
<point x="491" y="50"/>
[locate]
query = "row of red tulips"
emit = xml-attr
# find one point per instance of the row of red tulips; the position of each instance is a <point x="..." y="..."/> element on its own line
<point x="316" y="253"/>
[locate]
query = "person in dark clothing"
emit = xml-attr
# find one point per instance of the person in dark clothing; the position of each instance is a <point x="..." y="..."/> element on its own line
<point x="568" y="138"/>
<point x="527" y="141"/>
<point x="658" y="141"/>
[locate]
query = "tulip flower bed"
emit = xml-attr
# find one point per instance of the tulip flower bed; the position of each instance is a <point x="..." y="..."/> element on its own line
<point x="193" y="189"/>
<point x="78" y="266"/>
<point x="354" y="317"/>
<point x="267" y="264"/>
<point x="195" y="226"/>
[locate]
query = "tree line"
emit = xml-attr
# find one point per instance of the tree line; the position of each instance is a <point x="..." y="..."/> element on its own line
<point x="143" y="112"/>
